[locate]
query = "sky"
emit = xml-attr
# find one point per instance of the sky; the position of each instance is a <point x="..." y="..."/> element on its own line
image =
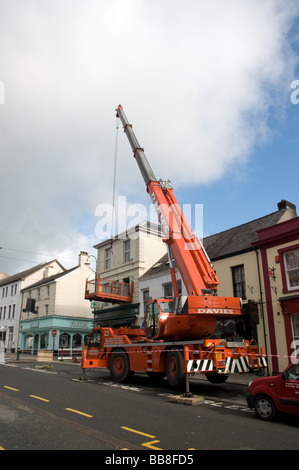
<point x="207" y="87"/>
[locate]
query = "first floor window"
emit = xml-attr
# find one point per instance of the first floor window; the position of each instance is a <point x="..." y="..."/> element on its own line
<point x="168" y="289"/>
<point x="108" y="258"/>
<point x="239" y="285"/>
<point x="291" y="262"/>
<point x="127" y="247"/>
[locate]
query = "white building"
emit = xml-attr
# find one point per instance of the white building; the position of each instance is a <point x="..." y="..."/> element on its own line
<point x="55" y="313"/>
<point x="11" y="298"/>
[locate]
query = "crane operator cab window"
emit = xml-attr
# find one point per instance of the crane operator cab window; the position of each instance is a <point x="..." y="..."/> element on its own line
<point x="152" y="320"/>
<point x="94" y="339"/>
<point x="156" y="312"/>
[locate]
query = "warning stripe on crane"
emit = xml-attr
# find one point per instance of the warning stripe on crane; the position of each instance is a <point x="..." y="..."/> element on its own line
<point x="241" y="364"/>
<point x="200" y="365"/>
<point x="263" y="362"/>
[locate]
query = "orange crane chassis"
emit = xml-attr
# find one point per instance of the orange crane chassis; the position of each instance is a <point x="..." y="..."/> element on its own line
<point x="125" y="351"/>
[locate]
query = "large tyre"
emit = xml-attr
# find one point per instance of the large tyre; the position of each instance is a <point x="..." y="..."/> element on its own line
<point x="216" y="378"/>
<point x="119" y="365"/>
<point x="174" y="369"/>
<point x="156" y="376"/>
<point x="264" y="408"/>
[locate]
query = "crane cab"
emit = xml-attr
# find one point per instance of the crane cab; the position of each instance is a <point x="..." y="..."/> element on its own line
<point x="155" y="316"/>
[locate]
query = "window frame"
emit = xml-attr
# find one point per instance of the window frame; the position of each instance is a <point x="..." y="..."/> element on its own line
<point x="127" y="251"/>
<point x="241" y="283"/>
<point x="107" y="258"/>
<point x="286" y="288"/>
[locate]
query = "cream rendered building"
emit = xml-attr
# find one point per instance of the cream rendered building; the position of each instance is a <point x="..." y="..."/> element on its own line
<point x="239" y="263"/>
<point x="124" y="259"/>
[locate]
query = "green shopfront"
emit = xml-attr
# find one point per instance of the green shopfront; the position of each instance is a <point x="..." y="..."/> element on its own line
<point x="63" y="335"/>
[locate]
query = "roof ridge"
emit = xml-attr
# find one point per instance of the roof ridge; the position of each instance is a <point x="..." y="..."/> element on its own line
<point x="27" y="272"/>
<point x="45" y="280"/>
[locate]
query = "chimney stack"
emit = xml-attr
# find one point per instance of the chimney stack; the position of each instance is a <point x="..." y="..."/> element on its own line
<point x="283" y="204"/>
<point x="83" y="258"/>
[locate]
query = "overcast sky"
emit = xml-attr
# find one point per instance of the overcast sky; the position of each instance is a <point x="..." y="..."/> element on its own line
<point x="206" y="85"/>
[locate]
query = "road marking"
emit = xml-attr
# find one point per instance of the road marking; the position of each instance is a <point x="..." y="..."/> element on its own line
<point x="39" y="370"/>
<point x="124" y="387"/>
<point x="137" y="432"/>
<point x="149" y="445"/>
<point x="229" y="407"/>
<point x="10" y="388"/>
<point x="2" y="448"/>
<point x="79" y="412"/>
<point x="39" y="398"/>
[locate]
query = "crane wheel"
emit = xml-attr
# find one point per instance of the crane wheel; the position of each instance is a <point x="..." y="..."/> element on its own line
<point x="174" y="369"/>
<point x="119" y="365"/>
<point x="216" y="378"/>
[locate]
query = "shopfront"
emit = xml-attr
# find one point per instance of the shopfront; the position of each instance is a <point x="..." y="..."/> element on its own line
<point x="290" y="311"/>
<point x="63" y="335"/>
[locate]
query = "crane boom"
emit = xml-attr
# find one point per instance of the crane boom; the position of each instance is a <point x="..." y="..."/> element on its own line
<point x="190" y="256"/>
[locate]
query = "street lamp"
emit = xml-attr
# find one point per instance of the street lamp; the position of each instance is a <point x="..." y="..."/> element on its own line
<point x="88" y="264"/>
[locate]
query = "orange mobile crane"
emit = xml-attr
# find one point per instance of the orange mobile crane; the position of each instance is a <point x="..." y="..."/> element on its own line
<point x="176" y="338"/>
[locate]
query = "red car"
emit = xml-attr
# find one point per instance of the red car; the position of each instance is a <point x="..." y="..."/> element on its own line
<point x="277" y="394"/>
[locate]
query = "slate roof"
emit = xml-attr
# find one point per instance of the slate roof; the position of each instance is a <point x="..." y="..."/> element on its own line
<point x="231" y="242"/>
<point x="239" y="239"/>
<point x="48" y="279"/>
<point x="27" y="272"/>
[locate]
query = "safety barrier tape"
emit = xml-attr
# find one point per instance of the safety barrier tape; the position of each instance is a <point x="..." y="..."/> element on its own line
<point x="241" y="354"/>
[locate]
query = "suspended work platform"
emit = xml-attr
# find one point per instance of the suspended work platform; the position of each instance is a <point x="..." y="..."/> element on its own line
<point x="104" y="290"/>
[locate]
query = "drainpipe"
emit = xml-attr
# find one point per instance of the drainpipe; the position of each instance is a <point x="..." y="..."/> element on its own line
<point x="262" y="303"/>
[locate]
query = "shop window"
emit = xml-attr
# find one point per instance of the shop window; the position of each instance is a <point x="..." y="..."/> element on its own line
<point x="44" y="339"/>
<point x="36" y="341"/>
<point x="77" y="340"/>
<point x="28" y="341"/>
<point x="64" y="340"/>
<point x="291" y="264"/>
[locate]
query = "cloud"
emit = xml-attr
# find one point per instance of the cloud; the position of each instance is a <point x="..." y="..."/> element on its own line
<point x="196" y="79"/>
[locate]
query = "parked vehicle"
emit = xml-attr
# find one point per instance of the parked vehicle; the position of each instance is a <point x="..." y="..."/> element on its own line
<point x="276" y="394"/>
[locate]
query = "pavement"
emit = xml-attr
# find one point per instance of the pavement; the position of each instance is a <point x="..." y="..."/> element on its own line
<point x="33" y="358"/>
